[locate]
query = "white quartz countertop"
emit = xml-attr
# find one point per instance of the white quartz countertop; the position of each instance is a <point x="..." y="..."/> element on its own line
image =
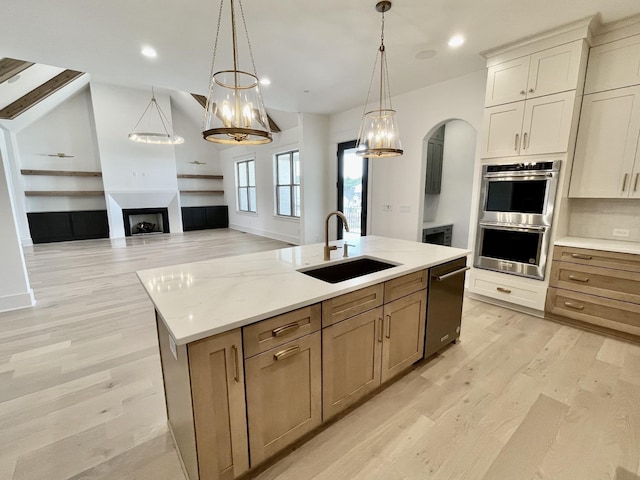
<point x="200" y="299"/>
<point x="600" y="244"/>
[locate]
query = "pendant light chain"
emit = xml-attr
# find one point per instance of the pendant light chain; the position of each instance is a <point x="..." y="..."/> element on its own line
<point x="246" y="32"/>
<point x="213" y="61"/>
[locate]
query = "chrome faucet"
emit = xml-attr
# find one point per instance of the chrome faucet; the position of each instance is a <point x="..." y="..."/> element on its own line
<point x="327" y="248"/>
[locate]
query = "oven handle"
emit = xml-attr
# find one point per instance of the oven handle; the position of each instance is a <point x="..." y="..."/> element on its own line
<point x="511" y="226"/>
<point x="519" y="174"/>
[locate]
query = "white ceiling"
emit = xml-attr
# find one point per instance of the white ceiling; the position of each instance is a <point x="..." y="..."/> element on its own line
<point x="319" y="55"/>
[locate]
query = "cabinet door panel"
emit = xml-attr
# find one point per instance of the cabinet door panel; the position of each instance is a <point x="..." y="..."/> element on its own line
<point x="547" y="124"/>
<point x="606" y="145"/>
<point x="614" y="65"/>
<point x="283" y="395"/>
<point x="351" y="353"/>
<point x="554" y="70"/>
<point x="507" y="82"/>
<point x="501" y="134"/>
<point x="219" y="411"/>
<point x="404" y="323"/>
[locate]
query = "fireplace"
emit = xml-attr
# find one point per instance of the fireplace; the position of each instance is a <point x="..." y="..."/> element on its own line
<point x="143" y="221"/>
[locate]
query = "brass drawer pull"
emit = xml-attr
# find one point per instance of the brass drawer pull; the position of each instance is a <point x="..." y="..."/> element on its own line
<point x="581" y="256"/>
<point x="236" y="363"/>
<point x="578" y="279"/>
<point x="380" y="327"/>
<point x="287" y="352"/>
<point x="388" y="332"/>
<point x="503" y="290"/>
<point x="575" y="306"/>
<point x="283" y="330"/>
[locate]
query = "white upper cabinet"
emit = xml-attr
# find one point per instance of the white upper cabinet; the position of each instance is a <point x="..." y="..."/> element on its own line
<point x="606" y="149"/>
<point x="543" y="73"/>
<point x="536" y="126"/>
<point x="614" y="65"/>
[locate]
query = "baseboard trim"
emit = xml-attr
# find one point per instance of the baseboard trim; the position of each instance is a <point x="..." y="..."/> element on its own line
<point x="263" y="233"/>
<point x="17" y="301"/>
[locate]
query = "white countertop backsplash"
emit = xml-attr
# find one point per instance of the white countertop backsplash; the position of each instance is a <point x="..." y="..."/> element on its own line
<point x="200" y="299"/>
<point x="600" y="244"/>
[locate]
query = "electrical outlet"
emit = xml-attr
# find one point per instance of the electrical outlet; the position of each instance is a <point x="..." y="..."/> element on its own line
<point x="621" y="232"/>
<point x="387" y="208"/>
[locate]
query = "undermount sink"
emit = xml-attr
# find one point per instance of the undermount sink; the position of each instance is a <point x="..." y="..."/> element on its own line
<point x="339" y="272"/>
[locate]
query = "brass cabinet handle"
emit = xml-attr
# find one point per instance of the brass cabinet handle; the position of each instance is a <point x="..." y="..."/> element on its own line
<point x="624" y="182"/>
<point x="524" y="141"/>
<point x="283" y="330"/>
<point x="388" y="332"/>
<point x="236" y="363"/>
<point x="635" y="184"/>
<point x="287" y="352"/>
<point x="578" y="279"/>
<point x="575" y="306"/>
<point x="515" y="145"/>
<point x="503" y="290"/>
<point x="581" y="256"/>
<point x="380" y="327"/>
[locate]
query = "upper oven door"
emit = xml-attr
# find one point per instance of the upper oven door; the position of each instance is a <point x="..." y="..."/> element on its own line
<point x="522" y="197"/>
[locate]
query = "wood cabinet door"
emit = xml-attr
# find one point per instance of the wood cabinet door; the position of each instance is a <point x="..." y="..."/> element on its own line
<point x="547" y="124"/>
<point x="507" y="82"/>
<point x="283" y="395"/>
<point x="403" y="339"/>
<point x="555" y="70"/>
<point x="606" y="146"/>
<point x="217" y="385"/>
<point x="502" y="130"/>
<point x="351" y="359"/>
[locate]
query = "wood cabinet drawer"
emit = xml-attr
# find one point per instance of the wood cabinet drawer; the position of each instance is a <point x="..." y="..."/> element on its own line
<point x="284" y="397"/>
<point x="405" y="285"/>
<point x="340" y="308"/>
<point x="598" y="258"/>
<point x="262" y="336"/>
<point x="605" y="312"/>
<point x="616" y="284"/>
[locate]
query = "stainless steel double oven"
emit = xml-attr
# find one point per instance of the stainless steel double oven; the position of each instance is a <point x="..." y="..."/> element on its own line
<point x="515" y="217"/>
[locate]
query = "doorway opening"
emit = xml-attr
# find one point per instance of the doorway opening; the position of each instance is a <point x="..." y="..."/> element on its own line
<point x="353" y="175"/>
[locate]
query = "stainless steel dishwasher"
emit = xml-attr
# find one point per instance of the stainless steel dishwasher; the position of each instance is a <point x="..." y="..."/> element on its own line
<point x="444" y="305"/>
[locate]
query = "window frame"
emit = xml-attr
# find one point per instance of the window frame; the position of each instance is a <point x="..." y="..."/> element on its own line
<point x="292" y="185"/>
<point x="244" y="189"/>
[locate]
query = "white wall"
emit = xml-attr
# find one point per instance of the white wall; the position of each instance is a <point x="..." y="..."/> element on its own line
<point x="399" y="181"/>
<point x="129" y="167"/>
<point x="453" y="204"/>
<point x="15" y="291"/>
<point x="264" y="222"/>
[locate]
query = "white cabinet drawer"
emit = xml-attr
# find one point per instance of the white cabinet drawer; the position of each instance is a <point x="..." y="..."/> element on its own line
<point x="507" y="289"/>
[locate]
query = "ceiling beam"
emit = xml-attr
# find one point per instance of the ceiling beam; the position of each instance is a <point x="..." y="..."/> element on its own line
<point x="10" y="67"/>
<point x="202" y="100"/>
<point x="38" y="94"/>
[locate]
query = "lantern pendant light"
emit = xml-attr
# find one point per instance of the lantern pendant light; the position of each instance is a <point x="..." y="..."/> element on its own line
<point x="378" y="135"/>
<point x="166" y="137"/>
<point x="234" y="112"/>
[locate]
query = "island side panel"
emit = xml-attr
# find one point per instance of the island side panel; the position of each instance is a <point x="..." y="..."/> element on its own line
<point x="177" y="388"/>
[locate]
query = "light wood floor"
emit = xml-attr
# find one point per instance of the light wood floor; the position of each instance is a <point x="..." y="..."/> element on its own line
<point x="520" y="398"/>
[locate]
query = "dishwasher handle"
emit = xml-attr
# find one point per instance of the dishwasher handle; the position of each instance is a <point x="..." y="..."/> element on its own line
<point x="451" y="274"/>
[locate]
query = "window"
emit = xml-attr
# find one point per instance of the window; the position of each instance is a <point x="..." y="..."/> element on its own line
<point x="246" y="182"/>
<point x="288" y="184"/>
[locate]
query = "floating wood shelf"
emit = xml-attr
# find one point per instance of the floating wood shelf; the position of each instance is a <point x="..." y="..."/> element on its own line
<point x="200" y="192"/>
<point x="208" y="177"/>
<point x="63" y="193"/>
<point x="61" y="173"/>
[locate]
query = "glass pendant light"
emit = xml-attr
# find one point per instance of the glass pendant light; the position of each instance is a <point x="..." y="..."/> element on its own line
<point x="165" y="137"/>
<point x="378" y="135"/>
<point x="234" y="112"/>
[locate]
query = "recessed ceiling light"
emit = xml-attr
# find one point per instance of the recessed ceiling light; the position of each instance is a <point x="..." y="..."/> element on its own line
<point x="425" y="54"/>
<point x="265" y="81"/>
<point x="456" y="41"/>
<point x="149" y="52"/>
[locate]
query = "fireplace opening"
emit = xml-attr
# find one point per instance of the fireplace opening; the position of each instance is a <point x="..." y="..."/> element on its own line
<point x="145" y="221"/>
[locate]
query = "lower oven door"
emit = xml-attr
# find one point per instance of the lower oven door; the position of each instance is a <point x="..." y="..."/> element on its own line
<point x="516" y="249"/>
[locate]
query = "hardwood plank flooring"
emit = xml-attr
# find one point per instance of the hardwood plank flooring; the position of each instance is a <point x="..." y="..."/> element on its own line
<point x="519" y="398"/>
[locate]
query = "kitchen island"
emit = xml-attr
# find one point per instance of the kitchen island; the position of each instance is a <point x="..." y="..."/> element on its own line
<point x="256" y="354"/>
